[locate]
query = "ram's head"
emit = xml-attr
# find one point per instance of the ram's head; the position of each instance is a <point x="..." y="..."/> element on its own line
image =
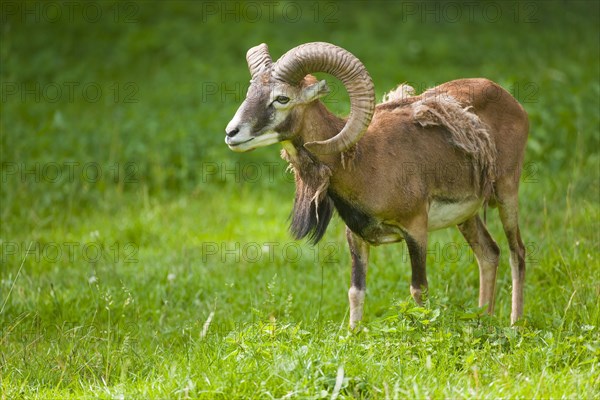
<point x="279" y="92"/>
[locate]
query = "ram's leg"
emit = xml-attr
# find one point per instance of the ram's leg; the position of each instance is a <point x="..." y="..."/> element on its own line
<point x="508" y="207"/>
<point x="416" y="241"/>
<point x="359" y="250"/>
<point x="488" y="253"/>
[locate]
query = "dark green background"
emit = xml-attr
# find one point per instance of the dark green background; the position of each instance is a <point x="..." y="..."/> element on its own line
<point x="154" y="85"/>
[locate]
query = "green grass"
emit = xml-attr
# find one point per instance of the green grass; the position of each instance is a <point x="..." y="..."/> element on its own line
<point x="172" y="275"/>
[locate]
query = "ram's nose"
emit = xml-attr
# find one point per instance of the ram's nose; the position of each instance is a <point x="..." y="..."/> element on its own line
<point x="231" y="132"/>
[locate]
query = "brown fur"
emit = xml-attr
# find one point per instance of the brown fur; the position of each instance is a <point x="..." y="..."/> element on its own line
<point x="461" y="140"/>
<point x="467" y="132"/>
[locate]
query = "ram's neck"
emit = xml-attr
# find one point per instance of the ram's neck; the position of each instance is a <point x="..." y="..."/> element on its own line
<point x="320" y="123"/>
<point x="317" y="124"/>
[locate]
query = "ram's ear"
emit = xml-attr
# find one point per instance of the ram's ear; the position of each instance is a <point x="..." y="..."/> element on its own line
<point x="314" y="92"/>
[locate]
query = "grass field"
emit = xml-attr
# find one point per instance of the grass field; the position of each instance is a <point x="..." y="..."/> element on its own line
<point x="143" y="259"/>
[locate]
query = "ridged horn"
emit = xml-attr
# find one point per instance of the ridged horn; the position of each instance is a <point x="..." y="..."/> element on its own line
<point x="258" y="58"/>
<point x="302" y="60"/>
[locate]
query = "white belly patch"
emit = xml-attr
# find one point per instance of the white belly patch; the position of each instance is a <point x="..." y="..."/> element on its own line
<point x="444" y="214"/>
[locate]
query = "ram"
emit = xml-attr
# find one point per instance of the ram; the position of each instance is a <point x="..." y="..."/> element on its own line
<point x="393" y="171"/>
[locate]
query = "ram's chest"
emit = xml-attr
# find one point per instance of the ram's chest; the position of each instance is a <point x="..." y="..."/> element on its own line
<point x="369" y="228"/>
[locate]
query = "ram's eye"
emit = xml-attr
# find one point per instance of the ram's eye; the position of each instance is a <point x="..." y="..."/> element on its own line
<point x="282" y="99"/>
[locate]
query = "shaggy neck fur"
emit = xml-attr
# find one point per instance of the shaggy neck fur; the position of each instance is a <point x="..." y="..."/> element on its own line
<point x="313" y="208"/>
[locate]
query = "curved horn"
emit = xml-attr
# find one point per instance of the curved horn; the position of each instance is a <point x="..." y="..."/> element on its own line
<point x="302" y="60"/>
<point x="258" y="58"/>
